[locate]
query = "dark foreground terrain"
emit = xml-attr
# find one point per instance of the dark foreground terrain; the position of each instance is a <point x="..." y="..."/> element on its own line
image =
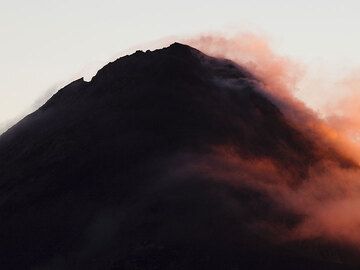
<point x="107" y="174"/>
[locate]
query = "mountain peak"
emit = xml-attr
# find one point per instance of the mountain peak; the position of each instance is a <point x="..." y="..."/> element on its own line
<point x="122" y="172"/>
<point x="183" y="48"/>
<point x="180" y="46"/>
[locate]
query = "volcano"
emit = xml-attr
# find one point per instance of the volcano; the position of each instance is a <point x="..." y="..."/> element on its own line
<point x="131" y="171"/>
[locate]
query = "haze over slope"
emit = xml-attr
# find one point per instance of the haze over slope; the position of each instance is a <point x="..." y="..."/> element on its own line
<point x="172" y="159"/>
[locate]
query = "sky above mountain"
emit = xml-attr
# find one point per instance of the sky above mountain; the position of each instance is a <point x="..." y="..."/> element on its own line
<point x="46" y="44"/>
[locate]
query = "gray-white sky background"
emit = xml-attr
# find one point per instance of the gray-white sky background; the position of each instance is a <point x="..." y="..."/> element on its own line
<point x="48" y="43"/>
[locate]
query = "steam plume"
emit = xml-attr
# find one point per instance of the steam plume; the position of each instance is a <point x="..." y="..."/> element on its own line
<point x="329" y="200"/>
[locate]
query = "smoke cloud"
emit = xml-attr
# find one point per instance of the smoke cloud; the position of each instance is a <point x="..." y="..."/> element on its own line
<point x="279" y="74"/>
<point x="326" y="203"/>
<point x="329" y="199"/>
<point x="344" y="112"/>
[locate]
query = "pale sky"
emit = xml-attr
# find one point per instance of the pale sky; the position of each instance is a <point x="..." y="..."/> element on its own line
<point x="48" y="43"/>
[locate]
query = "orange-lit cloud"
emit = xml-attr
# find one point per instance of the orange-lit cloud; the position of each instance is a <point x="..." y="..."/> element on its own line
<point x="344" y="113"/>
<point x="280" y="76"/>
<point x="329" y="199"/>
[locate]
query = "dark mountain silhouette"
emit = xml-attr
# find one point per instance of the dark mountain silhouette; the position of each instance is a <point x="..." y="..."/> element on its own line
<point x="93" y="179"/>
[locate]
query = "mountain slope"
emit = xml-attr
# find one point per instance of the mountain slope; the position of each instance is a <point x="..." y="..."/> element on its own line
<point x="99" y="178"/>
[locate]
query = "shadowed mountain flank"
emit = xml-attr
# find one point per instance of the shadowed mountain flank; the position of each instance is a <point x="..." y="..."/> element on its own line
<point x="135" y="170"/>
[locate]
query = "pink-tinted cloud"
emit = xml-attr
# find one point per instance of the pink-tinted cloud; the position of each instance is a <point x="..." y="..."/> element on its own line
<point x="329" y="199"/>
<point x="344" y="113"/>
<point x="279" y="74"/>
